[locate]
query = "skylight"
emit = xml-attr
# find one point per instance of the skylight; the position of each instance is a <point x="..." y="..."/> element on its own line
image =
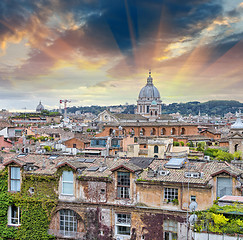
<point x="175" y="163"/>
<point x="93" y="169"/>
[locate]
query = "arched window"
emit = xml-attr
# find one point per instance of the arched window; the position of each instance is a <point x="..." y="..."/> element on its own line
<point x="155" y="113"/>
<point x="68" y="222"/>
<point x="132" y="132"/>
<point x="110" y="131"/>
<point x="156" y="149"/>
<point x="147" y="109"/>
<point x="163" y="131"/>
<point x="183" y="131"/>
<point x="141" y="108"/>
<point x="151" y="113"/>
<point x="155" y="156"/>
<point x="173" y="131"/>
<point x="153" y="131"/>
<point x="236" y="147"/>
<point x="142" y="132"/>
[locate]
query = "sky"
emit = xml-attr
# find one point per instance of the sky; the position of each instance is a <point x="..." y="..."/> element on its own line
<point x="99" y="52"/>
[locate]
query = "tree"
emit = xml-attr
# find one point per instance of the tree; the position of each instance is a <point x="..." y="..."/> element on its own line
<point x="224" y="156"/>
<point x="237" y="155"/>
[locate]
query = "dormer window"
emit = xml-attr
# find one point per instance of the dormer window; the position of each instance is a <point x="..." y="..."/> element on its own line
<point x="14" y="179"/>
<point x="67" y="183"/>
<point x="123" y="185"/>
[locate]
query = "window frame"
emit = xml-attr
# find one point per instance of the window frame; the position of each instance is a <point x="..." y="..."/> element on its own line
<point x="170" y="194"/>
<point x="193" y="198"/>
<point x="156" y="149"/>
<point x="69" y="182"/>
<point x="69" y="220"/>
<point x="10" y="218"/>
<point x="123" y="190"/>
<point x="126" y="224"/>
<point x="170" y="227"/>
<point x="14" y="179"/>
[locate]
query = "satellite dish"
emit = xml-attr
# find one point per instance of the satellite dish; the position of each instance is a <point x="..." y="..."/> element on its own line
<point x="192" y="219"/>
<point x="193" y="206"/>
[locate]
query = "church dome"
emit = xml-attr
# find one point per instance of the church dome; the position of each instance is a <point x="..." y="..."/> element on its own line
<point x="40" y="107"/>
<point x="149" y="91"/>
<point x="238" y="123"/>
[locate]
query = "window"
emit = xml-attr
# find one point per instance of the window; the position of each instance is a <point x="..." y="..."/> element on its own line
<point x="68" y="222"/>
<point x="156" y="149"/>
<point x="74" y="145"/>
<point x="193" y="198"/>
<point x="123" y="224"/>
<point x="224" y="186"/>
<point x="170" y="230"/>
<point x="15" y="179"/>
<point x="67" y="183"/>
<point x="123" y="184"/>
<point x="14" y="215"/>
<point x="170" y="194"/>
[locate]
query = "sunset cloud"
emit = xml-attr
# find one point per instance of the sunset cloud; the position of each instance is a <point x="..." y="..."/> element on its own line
<point x="99" y="52"/>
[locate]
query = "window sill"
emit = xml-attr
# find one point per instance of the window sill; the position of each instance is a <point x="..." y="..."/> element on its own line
<point x="14" y="225"/>
<point x="123" y="235"/>
<point x="123" y="198"/>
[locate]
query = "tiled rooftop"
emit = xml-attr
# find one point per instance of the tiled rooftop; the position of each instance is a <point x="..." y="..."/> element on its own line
<point x="48" y="166"/>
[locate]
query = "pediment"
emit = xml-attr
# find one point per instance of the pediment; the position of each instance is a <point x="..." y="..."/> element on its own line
<point x="236" y="135"/>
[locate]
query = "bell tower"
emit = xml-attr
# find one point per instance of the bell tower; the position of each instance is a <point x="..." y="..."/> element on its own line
<point x="236" y="136"/>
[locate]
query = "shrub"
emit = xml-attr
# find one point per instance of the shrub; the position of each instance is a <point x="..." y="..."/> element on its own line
<point x="47" y="148"/>
<point x="190" y="144"/>
<point x="182" y="144"/>
<point x="176" y="143"/>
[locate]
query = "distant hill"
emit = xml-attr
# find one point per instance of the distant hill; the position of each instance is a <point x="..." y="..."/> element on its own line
<point x="215" y="107"/>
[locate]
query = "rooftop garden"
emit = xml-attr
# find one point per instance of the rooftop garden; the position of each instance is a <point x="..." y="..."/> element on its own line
<point x="227" y="219"/>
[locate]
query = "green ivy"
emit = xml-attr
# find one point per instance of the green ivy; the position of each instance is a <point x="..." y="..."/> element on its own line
<point x="5" y="201"/>
<point x="36" y="208"/>
<point x="226" y="219"/>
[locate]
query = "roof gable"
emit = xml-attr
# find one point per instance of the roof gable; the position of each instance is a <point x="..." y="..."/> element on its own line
<point x="106" y="112"/>
<point x="235" y="135"/>
<point x="128" y="166"/>
<point x="15" y="161"/>
<point x="227" y="171"/>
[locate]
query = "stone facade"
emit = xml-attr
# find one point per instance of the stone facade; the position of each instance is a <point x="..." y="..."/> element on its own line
<point x="236" y="136"/>
<point x="120" y="198"/>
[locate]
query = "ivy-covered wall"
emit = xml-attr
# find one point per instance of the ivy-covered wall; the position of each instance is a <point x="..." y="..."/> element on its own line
<point x="36" y="206"/>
